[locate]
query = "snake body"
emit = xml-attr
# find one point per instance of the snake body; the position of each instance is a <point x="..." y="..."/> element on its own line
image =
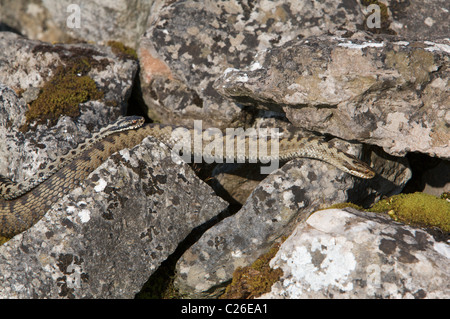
<point x="21" y="212"/>
<point x="10" y="189"/>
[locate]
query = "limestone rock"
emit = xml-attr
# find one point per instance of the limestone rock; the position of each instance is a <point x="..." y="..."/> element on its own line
<point x="422" y="19"/>
<point x="352" y="254"/>
<point x="193" y="42"/>
<point x="26" y="67"/>
<point x="279" y="202"/>
<point x="106" y="237"/>
<point x="86" y="21"/>
<point x="388" y="93"/>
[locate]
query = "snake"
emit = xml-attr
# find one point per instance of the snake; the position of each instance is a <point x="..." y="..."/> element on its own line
<point x="10" y="189"/>
<point x="25" y="208"/>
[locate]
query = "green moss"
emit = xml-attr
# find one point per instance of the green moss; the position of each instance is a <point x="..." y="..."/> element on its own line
<point x="122" y="50"/>
<point x="343" y="205"/>
<point x="417" y="209"/>
<point x="3" y="240"/>
<point x="255" y="280"/>
<point x="63" y="93"/>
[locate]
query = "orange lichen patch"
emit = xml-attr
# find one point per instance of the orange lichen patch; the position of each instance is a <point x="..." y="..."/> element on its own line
<point x="153" y="66"/>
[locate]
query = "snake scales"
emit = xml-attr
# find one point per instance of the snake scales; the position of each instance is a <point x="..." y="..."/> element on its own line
<point x="27" y="204"/>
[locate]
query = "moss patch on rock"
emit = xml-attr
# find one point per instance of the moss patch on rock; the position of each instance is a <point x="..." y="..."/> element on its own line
<point x="417" y="209"/>
<point x="63" y="93"/>
<point x="122" y="50"/>
<point x="254" y="280"/>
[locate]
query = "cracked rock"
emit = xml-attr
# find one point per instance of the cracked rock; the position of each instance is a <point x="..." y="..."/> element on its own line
<point x="106" y="237"/>
<point x="352" y="254"/>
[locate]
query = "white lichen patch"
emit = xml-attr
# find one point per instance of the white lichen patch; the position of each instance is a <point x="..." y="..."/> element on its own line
<point x="328" y="262"/>
<point x="255" y="66"/>
<point x="85" y="215"/>
<point x="437" y="47"/>
<point x="100" y="185"/>
<point x="352" y="45"/>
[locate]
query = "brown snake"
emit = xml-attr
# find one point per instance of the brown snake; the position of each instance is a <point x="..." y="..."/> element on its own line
<point x="20" y="213"/>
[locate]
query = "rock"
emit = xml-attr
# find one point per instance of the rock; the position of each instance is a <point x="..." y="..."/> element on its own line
<point x="279" y="202"/>
<point x="352" y="254"/>
<point x="422" y="19"/>
<point x="27" y="67"/>
<point x="55" y="21"/>
<point x="106" y="237"/>
<point x="388" y="93"/>
<point x="89" y="21"/>
<point x="431" y="175"/>
<point x="236" y="182"/>
<point x="193" y="42"/>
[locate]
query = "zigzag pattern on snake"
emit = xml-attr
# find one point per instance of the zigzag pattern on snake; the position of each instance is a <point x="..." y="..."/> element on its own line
<point x="20" y="213"/>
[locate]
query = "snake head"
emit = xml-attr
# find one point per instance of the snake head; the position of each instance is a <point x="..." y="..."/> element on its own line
<point x="358" y="168"/>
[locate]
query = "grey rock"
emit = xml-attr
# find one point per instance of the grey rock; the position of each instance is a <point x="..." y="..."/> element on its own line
<point x="388" y="93"/>
<point x="283" y="199"/>
<point x="87" y="20"/>
<point x="106" y="237"/>
<point x="194" y="42"/>
<point x="423" y="19"/>
<point x="352" y="254"/>
<point x="26" y="66"/>
<point x="437" y="180"/>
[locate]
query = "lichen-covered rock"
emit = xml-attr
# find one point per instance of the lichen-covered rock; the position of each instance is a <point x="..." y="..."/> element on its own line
<point x="193" y="42"/>
<point x="388" y="93"/>
<point x="278" y="203"/>
<point x="106" y="237"/>
<point x="27" y="68"/>
<point x="353" y="254"/>
<point x="420" y="19"/>
<point x="86" y="21"/>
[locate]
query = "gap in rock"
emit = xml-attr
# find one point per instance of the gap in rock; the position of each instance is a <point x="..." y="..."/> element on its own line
<point x="429" y="174"/>
<point x="160" y="283"/>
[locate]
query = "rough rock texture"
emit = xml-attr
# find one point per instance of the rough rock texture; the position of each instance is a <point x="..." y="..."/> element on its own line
<point x="352" y="254"/>
<point x="193" y="42"/>
<point x="34" y="63"/>
<point x="280" y="201"/>
<point x="423" y="19"/>
<point x="235" y="182"/>
<point x="125" y="21"/>
<point x="106" y="237"/>
<point x="389" y="93"/>
<point x="187" y="46"/>
<point x="99" y="21"/>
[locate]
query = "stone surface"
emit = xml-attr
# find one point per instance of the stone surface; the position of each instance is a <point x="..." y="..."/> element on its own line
<point x="420" y="19"/>
<point x="389" y="93"/>
<point x="106" y="237"/>
<point x="352" y="254"/>
<point x="34" y="63"/>
<point x="193" y="42"/>
<point x="187" y="46"/>
<point x="85" y="21"/>
<point x="279" y="202"/>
